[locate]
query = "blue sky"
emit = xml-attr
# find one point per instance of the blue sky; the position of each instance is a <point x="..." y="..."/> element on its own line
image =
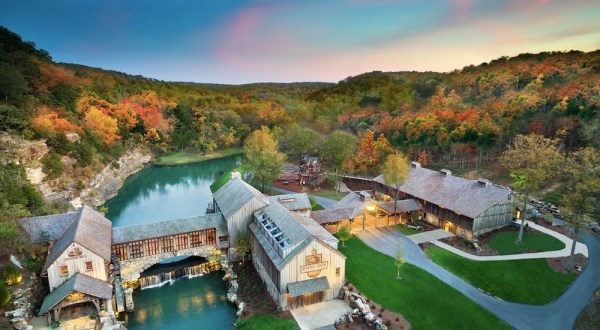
<point x="224" y="41"/>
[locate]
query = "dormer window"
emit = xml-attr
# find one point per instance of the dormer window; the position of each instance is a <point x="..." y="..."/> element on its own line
<point x="64" y="270"/>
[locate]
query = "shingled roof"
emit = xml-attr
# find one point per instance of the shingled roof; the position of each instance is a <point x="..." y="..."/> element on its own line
<point x="354" y="201"/>
<point x="332" y="215"/>
<point x="234" y="195"/>
<point x="294" y="202"/>
<point x="462" y="196"/>
<point x="77" y="283"/>
<point x="402" y="206"/>
<point x="89" y="229"/>
<point x="170" y="227"/>
<point x="52" y="225"/>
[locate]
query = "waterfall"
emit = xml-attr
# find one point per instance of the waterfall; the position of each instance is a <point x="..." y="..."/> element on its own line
<point x="168" y="277"/>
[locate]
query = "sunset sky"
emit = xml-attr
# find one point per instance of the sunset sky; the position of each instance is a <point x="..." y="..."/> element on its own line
<point x="237" y="42"/>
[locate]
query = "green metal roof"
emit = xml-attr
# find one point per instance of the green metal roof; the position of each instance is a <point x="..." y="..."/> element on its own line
<point x="300" y="288"/>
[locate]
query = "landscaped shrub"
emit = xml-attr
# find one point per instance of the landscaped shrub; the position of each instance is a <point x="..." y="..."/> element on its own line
<point x="5" y="295"/>
<point x="35" y="261"/>
<point x="11" y="275"/>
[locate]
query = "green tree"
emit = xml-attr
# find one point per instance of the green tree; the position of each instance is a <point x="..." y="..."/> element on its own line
<point x="264" y="159"/>
<point x="299" y="141"/>
<point x="399" y="260"/>
<point x="395" y="170"/>
<point x="242" y="246"/>
<point x="52" y="165"/>
<point x="583" y="191"/>
<point x="344" y="234"/>
<point x="338" y="147"/>
<point x="532" y="161"/>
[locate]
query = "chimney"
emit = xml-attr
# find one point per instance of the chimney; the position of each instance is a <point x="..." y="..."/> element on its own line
<point x="415" y="164"/>
<point x="236" y="175"/>
<point x="446" y="172"/>
<point x="483" y="182"/>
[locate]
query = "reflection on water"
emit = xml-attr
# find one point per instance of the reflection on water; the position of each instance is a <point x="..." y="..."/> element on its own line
<point x="161" y="193"/>
<point x="196" y="303"/>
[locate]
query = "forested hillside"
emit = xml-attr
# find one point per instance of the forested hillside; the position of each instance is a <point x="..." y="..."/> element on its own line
<point x="433" y="117"/>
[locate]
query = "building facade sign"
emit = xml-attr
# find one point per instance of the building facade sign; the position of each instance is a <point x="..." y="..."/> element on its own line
<point x="314" y="265"/>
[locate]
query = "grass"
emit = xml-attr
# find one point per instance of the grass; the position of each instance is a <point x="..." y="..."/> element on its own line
<point x="407" y="231"/>
<point x="504" y="243"/>
<point x="529" y="281"/>
<point x="425" y="301"/>
<point x="330" y="193"/>
<point x="181" y="158"/>
<point x="224" y="178"/>
<point x="314" y="205"/>
<point x="266" y="322"/>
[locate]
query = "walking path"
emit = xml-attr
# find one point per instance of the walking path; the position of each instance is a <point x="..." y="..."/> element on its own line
<point x="565" y="252"/>
<point x="321" y="315"/>
<point x="429" y="236"/>
<point x="560" y="314"/>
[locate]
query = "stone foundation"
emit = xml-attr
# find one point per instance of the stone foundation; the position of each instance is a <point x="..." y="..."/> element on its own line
<point x="131" y="269"/>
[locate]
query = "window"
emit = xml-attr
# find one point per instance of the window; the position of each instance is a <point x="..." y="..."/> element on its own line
<point x="337" y="271"/>
<point x="167" y="244"/>
<point x="136" y="249"/>
<point x="64" y="270"/>
<point x="181" y="242"/>
<point x="195" y="239"/>
<point x="120" y="250"/>
<point x="89" y="266"/>
<point x="151" y="246"/>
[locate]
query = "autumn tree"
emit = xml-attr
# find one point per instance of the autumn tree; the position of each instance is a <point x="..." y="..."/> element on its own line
<point x="264" y="159"/>
<point x="395" y="170"/>
<point x="583" y="190"/>
<point x="366" y="156"/>
<point x="338" y="147"/>
<point x="101" y="125"/>
<point x="532" y="161"/>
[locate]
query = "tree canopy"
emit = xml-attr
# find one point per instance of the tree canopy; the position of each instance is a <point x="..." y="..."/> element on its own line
<point x="264" y="159"/>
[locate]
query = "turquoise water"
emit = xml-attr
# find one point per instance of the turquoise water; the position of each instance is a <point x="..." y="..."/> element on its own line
<point x="197" y="303"/>
<point x="171" y="192"/>
<point x="166" y="192"/>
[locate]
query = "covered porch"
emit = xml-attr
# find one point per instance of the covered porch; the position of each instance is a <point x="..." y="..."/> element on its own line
<point x="79" y="290"/>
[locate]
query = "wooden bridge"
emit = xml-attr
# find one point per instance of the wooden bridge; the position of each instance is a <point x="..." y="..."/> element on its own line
<point x="138" y="247"/>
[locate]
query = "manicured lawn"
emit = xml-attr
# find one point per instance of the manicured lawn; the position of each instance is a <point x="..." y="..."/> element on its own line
<point x="329" y="193"/>
<point x="314" y="205"/>
<point x="180" y="158"/>
<point x="224" y="178"/>
<point x="504" y="242"/>
<point x="408" y="231"/>
<point x="425" y="301"/>
<point x="266" y="322"/>
<point x="529" y="281"/>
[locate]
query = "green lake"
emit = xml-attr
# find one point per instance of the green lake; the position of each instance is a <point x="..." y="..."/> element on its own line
<point x="160" y="193"/>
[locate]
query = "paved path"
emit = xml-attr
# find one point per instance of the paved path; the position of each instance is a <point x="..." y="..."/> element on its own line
<point x="565" y="252"/>
<point x="560" y="314"/>
<point x="429" y="236"/>
<point x="321" y="315"/>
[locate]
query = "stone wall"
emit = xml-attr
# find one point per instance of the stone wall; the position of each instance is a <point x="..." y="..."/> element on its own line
<point x="110" y="179"/>
<point x="131" y="269"/>
<point x="267" y="280"/>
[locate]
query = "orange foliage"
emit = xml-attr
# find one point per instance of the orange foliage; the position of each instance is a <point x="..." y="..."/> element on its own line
<point x="52" y="75"/>
<point x="48" y="122"/>
<point x="101" y="125"/>
<point x="151" y="116"/>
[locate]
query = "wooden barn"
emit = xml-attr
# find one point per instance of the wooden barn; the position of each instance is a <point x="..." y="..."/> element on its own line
<point x="78" y="261"/>
<point x="295" y="256"/>
<point x="237" y="201"/>
<point x="467" y="208"/>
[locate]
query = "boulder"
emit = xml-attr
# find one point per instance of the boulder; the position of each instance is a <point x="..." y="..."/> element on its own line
<point x="240" y="309"/>
<point x="232" y="297"/>
<point x="369" y="317"/>
<point x="21" y="325"/>
<point x="349" y="316"/>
